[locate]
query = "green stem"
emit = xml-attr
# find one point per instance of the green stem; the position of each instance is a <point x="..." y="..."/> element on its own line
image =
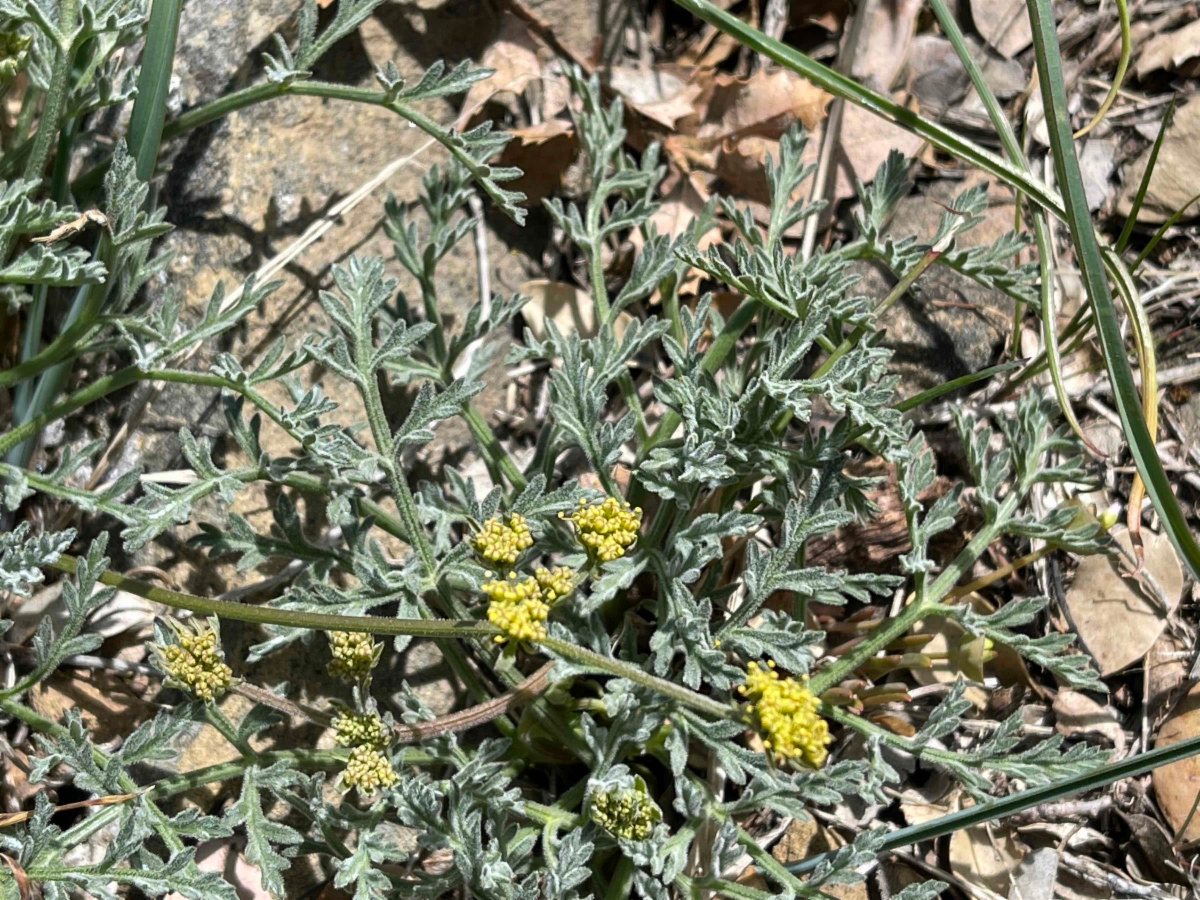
<point x="288" y="618"/>
<point x="489" y="446"/>
<point x="101" y="387"/>
<point x="54" y="105"/>
<point x="926" y="603"/>
<point x="684" y="696"/>
<point x="621" y="886"/>
<point x="218" y="720"/>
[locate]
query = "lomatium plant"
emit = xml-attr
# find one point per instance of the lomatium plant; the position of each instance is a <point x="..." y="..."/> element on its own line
<point x="640" y="656"/>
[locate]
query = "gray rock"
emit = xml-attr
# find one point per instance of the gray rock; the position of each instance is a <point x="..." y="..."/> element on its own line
<point x="948" y="325"/>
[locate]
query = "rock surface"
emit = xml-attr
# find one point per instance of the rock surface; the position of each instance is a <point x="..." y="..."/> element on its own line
<point x="948" y="325"/>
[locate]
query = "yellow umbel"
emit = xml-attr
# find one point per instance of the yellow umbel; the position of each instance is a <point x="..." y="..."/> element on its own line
<point x="368" y="770"/>
<point x="196" y="663"/>
<point x="606" y="529"/>
<point x="500" y="543"/>
<point x="785" y="711"/>
<point x="354" y="655"/>
<point x="516" y="606"/>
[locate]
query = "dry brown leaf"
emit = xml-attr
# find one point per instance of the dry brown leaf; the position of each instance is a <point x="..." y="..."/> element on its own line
<point x="962" y="659"/>
<point x="543" y="153"/>
<point x="1165" y="671"/>
<point x="764" y="104"/>
<point x="918" y="808"/>
<point x="19" y="876"/>
<point x="1035" y="876"/>
<point x="1176" y="177"/>
<point x="569" y="307"/>
<point x="803" y="838"/>
<point x="985" y="857"/>
<point x="679" y="208"/>
<point x="659" y="93"/>
<point x="1170" y="51"/>
<point x="1115" y="621"/>
<point x="7" y="819"/>
<point x="889" y="31"/>
<point x="1004" y="24"/>
<point x="865" y="143"/>
<point x="513" y="55"/>
<point x="742" y="167"/>
<point x="1176" y="785"/>
<point x="1077" y="714"/>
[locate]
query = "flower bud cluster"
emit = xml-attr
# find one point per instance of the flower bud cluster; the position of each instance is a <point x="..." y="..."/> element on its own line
<point x="354" y="655"/>
<point x="517" y="607"/>
<point x="368" y="769"/>
<point x="195" y="662"/>
<point x="786" y="714"/>
<point x="500" y="543"/>
<point x="353" y="729"/>
<point x="606" y="529"/>
<point x="628" y="813"/>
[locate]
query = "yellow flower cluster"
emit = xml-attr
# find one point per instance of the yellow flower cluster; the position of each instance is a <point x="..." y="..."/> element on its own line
<point x="351" y="729"/>
<point x="517" y="607"/>
<point x="606" y="529"/>
<point x="354" y="655"/>
<point x="368" y="770"/>
<point x="500" y="543"/>
<point x="555" y="583"/>
<point x="627" y="813"/>
<point x="196" y="662"/>
<point x="786" y="711"/>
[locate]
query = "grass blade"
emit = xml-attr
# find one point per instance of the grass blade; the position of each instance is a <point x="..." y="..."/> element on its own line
<point x="1041" y="230"/>
<point x="1175" y="217"/>
<point x="1027" y="799"/>
<point x="1119" y="77"/>
<point x="1092" y="264"/>
<point x="154" y="83"/>
<point x="1140" y="196"/>
<point x="883" y="106"/>
<point x="949" y="387"/>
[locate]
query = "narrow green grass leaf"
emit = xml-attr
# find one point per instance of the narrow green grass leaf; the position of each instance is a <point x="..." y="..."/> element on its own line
<point x="1041" y="230"/>
<point x="154" y="82"/>
<point x="1140" y="197"/>
<point x="1175" y="217"/>
<point x="1023" y="800"/>
<point x="1122" y="68"/>
<point x="1092" y="265"/>
<point x="955" y="384"/>
<point x="883" y="106"/>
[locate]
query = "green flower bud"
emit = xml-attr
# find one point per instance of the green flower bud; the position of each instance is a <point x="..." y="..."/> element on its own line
<point x="368" y="769"/>
<point x="627" y="813"/>
<point x="195" y="662"/>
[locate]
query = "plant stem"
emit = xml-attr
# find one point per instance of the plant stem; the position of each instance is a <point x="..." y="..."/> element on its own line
<point x="54" y="105"/>
<point x="289" y="618"/>
<point x="927" y="602"/>
<point x="680" y="694"/>
<point x="490" y="447"/>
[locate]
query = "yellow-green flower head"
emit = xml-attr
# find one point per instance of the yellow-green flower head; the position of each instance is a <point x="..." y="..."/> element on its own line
<point x="195" y="662"/>
<point x="351" y="729"/>
<point x="786" y="714"/>
<point x="628" y="813"/>
<point x="555" y="583"/>
<point x="606" y="529"/>
<point x="354" y="655"/>
<point x="368" y="770"/>
<point x="516" y="607"/>
<point x="500" y="543"/>
<point x="14" y="52"/>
